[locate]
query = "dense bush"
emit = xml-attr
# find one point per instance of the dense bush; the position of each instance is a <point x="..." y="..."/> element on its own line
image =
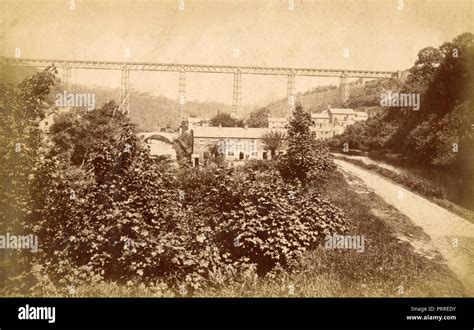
<point x="273" y="224"/>
<point x="260" y="165"/>
<point x="21" y="109"/>
<point x="264" y="220"/>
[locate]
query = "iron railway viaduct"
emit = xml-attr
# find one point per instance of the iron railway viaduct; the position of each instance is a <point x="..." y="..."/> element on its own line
<point x="237" y="71"/>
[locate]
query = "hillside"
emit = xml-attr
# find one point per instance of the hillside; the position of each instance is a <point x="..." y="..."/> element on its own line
<point x="362" y="95"/>
<point x="149" y="112"/>
<point x="152" y="112"/>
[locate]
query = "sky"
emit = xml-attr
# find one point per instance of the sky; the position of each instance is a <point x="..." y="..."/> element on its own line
<point x="378" y="34"/>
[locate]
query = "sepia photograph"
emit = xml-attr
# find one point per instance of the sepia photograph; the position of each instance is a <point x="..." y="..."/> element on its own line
<point x="237" y="149"/>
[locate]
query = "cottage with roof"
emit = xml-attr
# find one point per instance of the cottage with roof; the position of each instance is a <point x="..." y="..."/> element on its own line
<point x="342" y="116"/>
<point x="321" y="119"/>
<point x="234" y="143"/>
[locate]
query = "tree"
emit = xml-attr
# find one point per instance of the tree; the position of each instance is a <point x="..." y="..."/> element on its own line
<point x="226" y="120"/>
<point x="424" y="70"/>
<point x="79" y="133"/>
<point x="306" y="159"/>
<point x="21" y="109"/>
<point x="354" y="136"/>
<point x="258" y="118"/>
<point x="184" y="147"/>
<point x="274" y="141"/>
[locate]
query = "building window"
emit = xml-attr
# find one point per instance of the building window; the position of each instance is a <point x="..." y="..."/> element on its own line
<point x="253" y="146"/>
<point x="237" y="146"/>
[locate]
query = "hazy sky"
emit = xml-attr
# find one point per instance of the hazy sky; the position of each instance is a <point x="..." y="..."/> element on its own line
<point x="377" y="34"/>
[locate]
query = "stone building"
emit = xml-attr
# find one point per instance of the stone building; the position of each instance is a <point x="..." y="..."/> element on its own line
<point x="342" y="117"/>
<point x="234" y="143"/>
<point x="333" y="121"/>
<point x="321" y="119"/>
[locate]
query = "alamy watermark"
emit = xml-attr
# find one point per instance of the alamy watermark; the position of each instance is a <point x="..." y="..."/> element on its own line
<point x="18" y="242"/>
<point x="67" y="99"/>
<point x="37" y="313"/>
<point x="404" y="100"/>
<point x="350" y="242"/>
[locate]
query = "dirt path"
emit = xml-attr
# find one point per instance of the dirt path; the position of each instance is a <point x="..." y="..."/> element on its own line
<point x="451" y="235"/>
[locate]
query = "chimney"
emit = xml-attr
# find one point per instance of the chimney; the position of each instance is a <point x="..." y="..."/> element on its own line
<point x="220" y="125"/>
<point x="246" y="126"/>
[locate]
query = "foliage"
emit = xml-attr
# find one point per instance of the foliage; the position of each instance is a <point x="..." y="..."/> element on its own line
<point x="306" y="159"/>
<point x="264" y="222"/>
<point x="258" y="118"/>
<point x="226" y="120"/>
<point x="79" y="133"/>
<point x="354" y="135"/>
<point x="184" y="147"/>
<point x="259" y="165"/>
<point x="21" y="108"/>
<point x="274" y="225"/>
<point x="125" y="222"/>
<point x="440" y="133"/>
<point x="274" y="141"/>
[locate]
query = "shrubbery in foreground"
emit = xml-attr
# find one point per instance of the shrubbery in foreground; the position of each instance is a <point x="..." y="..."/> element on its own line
<point x="130" y="223"/>
<point x="113" y="214"/>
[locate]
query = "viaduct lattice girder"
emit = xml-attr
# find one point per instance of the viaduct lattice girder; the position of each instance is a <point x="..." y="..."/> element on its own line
<point x="202" y="68"/>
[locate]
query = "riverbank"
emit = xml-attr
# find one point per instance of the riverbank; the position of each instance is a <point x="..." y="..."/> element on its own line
<point x="457" y="183"/>
<point x="450" y="235"/>
<point x="413" y="183"/>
